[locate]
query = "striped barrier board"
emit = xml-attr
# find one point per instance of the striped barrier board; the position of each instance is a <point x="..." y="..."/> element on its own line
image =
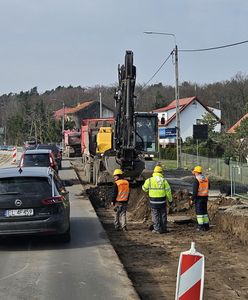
<point x="190" y="275"/>
<point x="14" y="154"/>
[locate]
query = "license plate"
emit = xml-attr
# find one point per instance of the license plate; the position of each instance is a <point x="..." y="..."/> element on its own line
<point x="19" y="212"/>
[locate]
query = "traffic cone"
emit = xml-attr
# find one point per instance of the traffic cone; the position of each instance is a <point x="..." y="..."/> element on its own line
<point x="14" y="154"/>
<point x="190" y="275"/>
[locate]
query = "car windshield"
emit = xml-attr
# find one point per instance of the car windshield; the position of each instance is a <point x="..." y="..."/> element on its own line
<point x="41" y="160"/>
<point x="25" y="186"/>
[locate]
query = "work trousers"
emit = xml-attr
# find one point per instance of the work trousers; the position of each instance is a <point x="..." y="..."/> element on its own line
<point x="201" y="209"/>
<point x="159" y="218"/>
<point x="120" y="216"/>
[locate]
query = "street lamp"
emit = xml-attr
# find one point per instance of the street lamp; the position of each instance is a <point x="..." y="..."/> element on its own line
<point x="178" y="137"/>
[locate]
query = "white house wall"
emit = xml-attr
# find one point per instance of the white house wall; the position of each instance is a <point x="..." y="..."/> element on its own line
<point x="188" y="118"/>
<point x="106" y="113"/>
<point x="217" y="112"/>
<point x="167" y="114"/>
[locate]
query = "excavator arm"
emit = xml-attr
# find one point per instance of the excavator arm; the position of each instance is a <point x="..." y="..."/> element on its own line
<point x="124" y="126"/>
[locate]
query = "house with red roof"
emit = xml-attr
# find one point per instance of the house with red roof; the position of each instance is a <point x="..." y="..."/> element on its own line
<point x="58" y="114"/>
<point x="191" y="112"/>
<point x="84" y="110"/>
<point x="236" y="125"/>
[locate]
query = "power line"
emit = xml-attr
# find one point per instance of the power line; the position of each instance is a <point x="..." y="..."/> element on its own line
<point x="213" y="48"/>
<point x="158" y="69"/>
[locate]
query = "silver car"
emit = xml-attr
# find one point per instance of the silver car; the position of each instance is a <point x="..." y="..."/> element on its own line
<point x="34" y="201"/>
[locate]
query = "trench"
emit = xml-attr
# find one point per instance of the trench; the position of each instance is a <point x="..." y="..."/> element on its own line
<point x="151" y="261"/>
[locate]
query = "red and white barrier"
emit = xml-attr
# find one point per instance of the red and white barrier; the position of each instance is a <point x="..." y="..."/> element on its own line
<point x="190" y="275"/>
<point x="14" y="154"/>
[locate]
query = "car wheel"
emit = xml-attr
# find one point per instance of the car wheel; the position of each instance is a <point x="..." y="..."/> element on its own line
<point x="65" y="237"/>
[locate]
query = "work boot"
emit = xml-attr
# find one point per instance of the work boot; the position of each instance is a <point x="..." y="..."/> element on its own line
<point x="155" y="231"/>
<point x="200" y="228"/>
<point x="151" y="227"/>
<point x="206" y="227"/>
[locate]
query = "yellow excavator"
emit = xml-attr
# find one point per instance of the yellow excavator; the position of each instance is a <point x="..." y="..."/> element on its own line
<point x="129" y="141"/>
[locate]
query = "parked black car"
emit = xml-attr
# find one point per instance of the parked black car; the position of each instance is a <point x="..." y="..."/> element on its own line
<point x="33" y="201"/>
<point x="57" y="152"/>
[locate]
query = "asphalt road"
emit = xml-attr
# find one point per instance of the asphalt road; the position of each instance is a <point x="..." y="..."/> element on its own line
<point x="87" y="268"/>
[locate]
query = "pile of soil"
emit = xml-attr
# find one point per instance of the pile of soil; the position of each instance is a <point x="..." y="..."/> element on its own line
<point x="138" y="205"/>
<point x="231" y="216"/>
<point x="100" y="196"/>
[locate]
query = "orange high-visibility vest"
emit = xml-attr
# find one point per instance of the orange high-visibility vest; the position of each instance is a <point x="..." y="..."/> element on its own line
<point x="203" y="185"/>
<point x="123" y="190"/>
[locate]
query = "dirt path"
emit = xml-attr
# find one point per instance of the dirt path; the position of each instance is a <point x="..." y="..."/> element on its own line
<point x="151" y="260"/>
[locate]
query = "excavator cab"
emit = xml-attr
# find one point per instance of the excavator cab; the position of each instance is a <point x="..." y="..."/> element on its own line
<point x="146" y="133"/>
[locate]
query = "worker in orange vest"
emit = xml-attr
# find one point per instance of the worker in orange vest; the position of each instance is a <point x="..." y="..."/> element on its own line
<point x="200" y="198"/>
<point x="120" y="197"/>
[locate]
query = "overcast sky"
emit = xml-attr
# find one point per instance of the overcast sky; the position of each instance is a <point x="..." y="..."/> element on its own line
<point x="47" y="43"/>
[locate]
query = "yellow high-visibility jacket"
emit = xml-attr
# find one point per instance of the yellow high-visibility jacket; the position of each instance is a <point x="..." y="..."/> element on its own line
<point x="158" y="189"/>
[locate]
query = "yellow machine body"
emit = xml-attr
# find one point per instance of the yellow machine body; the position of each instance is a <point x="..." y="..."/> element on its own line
<point x="104" y="139"/>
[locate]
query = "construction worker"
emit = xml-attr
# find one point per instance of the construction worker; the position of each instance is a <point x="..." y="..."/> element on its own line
<point x="120" y="198"/>
<point x="159" y="192"/>
<point x="200" y="198"/>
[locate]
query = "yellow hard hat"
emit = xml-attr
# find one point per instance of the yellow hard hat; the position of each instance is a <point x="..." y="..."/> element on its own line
<point x="197" y="169"/>
<point x="117" y="172"/>
<point x="158" y="169"/>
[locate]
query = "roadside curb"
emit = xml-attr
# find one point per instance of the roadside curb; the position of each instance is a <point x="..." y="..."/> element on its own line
<point x="107" y="251"/>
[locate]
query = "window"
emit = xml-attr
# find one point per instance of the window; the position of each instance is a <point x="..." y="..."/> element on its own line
<point x="36" y="160"/>
<point x="25" y="186"/>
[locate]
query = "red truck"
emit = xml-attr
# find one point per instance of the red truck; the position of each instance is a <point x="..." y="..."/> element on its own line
<point x="72" y="139"/>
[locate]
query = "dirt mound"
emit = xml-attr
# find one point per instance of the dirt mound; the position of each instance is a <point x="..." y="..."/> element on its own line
<point x="100" y="196"/>
<point x="227" y="214"/>
<point x="141" y="211"/>
<point x="139" y="203"/>
<point x="138" y="206"/>
<point x="215" y="205"/>
<point x="233" y="220"/>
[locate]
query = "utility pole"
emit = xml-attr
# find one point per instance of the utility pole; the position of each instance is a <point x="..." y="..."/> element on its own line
<point x="178" y="132"/>
<point x="178" y="136"/>
<point x="100" y="100"/>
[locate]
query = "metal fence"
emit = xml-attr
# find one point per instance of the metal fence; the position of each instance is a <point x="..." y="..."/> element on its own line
<point x="235" y="173"/>
<point x="239" y="180"/>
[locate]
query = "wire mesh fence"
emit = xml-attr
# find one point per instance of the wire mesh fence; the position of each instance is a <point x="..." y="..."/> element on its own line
<point x="235" y="173"/>
<point x="239" y="180"/>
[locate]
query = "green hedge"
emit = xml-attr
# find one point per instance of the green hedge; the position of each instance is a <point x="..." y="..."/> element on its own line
<point x="168" y="153"/>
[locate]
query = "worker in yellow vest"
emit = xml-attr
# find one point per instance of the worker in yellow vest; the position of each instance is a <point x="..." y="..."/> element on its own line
<point x="200" y="198"/>
<point x="120" y="197"/>
<point x="159" y="192"/>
